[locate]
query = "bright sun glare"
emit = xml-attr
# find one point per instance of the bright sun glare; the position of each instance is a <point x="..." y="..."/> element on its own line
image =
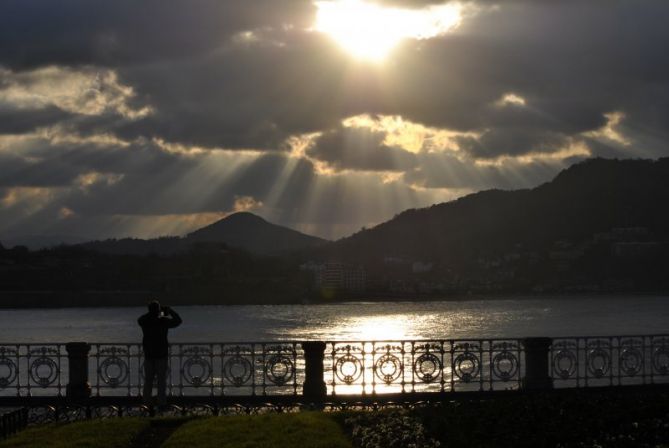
<point x="369" y="31"/>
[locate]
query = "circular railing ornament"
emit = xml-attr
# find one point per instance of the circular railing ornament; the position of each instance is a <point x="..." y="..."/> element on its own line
<point x="631" y="361"/>
<point x="466" y="366"/>
<point x="44" y="371"/>
<point x="661" y="359"/>
<point x="196" y="371"/>
<point x="505" y="365"/>
<point x="348" y="368"/>
<point x="564" y="363"/>
<point x="237" y="370"/>
<point x="279" y="369"/>
<point x="113" y="371"/>
<point x="388" y="368"/>
<point x="599" y="362"/>
<point x="8" y="372"/>
<point x="427" y="367"/>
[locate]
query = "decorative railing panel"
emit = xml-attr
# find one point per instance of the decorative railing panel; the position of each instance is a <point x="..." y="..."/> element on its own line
<point x="32" y="369"/>
<point x="116" y="369"/>
<point x="609" y="361"/>
<point x="275" y="368"/>
<point x="423" y="366"/>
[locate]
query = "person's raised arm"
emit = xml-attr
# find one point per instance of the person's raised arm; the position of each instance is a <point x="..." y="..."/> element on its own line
<point x="175" y="320"/>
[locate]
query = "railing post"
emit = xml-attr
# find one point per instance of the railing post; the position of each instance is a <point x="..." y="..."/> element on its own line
<point x="314" y="389"/>
<point x="537" y="365"/>
<point x="77" y="355"/>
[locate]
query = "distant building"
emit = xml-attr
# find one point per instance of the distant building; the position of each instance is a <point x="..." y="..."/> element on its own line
<point x="394" y="260"/>
<point x="564" y="253"/>
<point x="335" y="276"/>
<point x="420" y="267"/>
<point x="637" y="249"/>
<point x="623" y="234"/>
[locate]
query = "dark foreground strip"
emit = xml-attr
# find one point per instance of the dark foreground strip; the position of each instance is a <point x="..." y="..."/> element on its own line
<point x="13" y="422"/>
<point x="157" y="432"/>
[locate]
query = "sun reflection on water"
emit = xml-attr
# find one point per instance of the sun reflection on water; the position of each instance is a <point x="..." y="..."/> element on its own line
<point x="374" y="328"/>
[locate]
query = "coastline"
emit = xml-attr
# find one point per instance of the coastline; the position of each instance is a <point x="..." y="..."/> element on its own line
<point x="116" y="299"/>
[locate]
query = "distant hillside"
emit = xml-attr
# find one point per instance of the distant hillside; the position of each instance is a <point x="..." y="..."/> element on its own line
<point x="592" y="196"/>
<point x="253" y="233"/>
<point x="137" y="246"/>
<point x="240" y="230"/>
<point x="35" y="242"/>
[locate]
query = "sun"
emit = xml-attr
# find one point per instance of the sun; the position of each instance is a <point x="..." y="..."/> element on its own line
<point x="369" y="31"/>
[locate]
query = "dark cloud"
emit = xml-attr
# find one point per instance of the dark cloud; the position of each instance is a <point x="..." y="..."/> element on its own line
<point x="512" y="141"/>
<point x="141" y="157"/>
<point x="245" y="96"/>
<point x="17" y="171"/>
<point x="360" y="149"/>
<point x="22" y="121"/>
<point x="41" y="163"/>
<point x="83" y="32"/>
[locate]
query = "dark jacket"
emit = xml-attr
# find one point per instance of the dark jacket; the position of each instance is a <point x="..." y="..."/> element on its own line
<point x="155" y="333"/>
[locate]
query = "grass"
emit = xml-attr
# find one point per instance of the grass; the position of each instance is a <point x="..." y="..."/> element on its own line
<point x="113" y="433"/>
<point x="304" y="429"/>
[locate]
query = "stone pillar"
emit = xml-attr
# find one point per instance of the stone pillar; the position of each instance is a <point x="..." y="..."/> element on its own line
<point x="537" y="364"/>
<point x="77" y="355"/>
<point x="314" y="390"/>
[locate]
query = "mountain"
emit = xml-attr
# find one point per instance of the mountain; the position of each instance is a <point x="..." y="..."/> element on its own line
<point x="593" y="196"/>
<point x="240" y="231"/>
<point x="251" y="232"/>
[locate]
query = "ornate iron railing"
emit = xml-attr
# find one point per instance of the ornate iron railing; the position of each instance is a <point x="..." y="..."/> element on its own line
<point x="202" y="369"/>
<point x="609" y="361"/>
<point x="423" y="366"/>
<point x="344" y="368"/>
<point x="33" y="369"/>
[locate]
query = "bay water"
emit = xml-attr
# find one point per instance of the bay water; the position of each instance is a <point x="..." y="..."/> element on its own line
<point x="498" y="318"/>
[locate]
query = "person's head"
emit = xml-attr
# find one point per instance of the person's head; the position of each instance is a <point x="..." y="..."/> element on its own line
<point x="154" y="307"/>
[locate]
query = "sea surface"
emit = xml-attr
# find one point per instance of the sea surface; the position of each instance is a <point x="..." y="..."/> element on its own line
<point x="510" y="317"/>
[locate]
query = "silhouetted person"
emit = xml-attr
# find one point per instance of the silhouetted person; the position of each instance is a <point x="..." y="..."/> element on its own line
<point x="154" y="325"/>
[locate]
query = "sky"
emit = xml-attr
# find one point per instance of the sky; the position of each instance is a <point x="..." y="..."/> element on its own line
<point x="125" y="118"/>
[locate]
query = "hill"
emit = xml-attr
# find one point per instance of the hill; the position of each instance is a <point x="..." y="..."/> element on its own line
<point x="240" y="230"/>
<point x="136" y="246"/>
<point x="593" y="196"/>
<point x="251" y="232"/>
